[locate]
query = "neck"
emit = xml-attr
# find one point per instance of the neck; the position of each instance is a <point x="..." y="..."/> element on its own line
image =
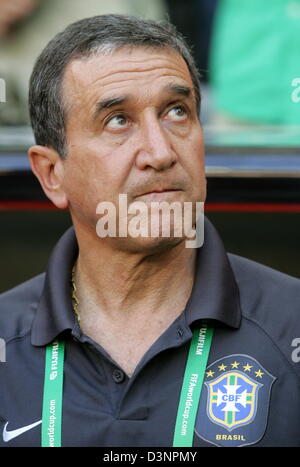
<point x="119" y="284"/>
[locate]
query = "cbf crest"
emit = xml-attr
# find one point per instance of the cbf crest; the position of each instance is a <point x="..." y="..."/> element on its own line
<point x="234" y="402"/>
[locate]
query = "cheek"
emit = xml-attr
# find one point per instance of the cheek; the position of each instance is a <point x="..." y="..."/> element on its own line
<point x="194" y="165"/>
<point x="78" y="189"/>
<point x="92" y="176"/>
<point x="192" y="153"/>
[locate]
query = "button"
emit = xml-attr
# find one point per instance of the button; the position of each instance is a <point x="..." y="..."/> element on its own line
<point x="180" y="332"/>
<point x="118" y="376"/>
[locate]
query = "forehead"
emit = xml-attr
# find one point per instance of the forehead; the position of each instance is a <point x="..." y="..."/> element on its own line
<point x="125" y="70"/>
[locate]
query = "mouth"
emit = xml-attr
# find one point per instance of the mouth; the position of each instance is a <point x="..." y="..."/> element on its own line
<point x="160" y="190"/>
<point x="158" y="195"/>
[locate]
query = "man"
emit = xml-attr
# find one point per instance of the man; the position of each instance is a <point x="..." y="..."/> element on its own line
<point x="99" y="350"/>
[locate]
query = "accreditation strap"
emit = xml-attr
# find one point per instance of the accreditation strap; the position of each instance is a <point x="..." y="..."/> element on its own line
<point x="192" y="386"/>
<point x="188" y="403"/>
<point x="53" y="390"/>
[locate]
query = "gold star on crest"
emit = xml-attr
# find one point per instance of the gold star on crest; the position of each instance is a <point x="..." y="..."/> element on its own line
<point x="247" y="367"/>
<point x="258" y="374"/>
<point x="210" y="373"/>
<point x="222" y="367"/>
<point x="235" y="364"/>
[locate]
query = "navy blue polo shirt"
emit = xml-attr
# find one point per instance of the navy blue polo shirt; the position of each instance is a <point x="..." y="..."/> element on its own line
<point x="251" y="390"/>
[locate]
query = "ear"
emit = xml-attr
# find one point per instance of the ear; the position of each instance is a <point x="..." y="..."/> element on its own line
<point x="48" y="166"/>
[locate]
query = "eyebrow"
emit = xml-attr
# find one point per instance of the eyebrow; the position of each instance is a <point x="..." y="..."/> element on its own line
<point x="174" y="89"/>
<point x="178" y="89"/>
<point x="108" y="103"/>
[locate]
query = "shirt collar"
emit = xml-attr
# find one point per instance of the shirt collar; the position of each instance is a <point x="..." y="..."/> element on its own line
<point x="55" y="311"/>
<point x="215" y="294"/>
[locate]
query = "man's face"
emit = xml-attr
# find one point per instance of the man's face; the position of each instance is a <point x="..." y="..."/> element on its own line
<point x="132" y="128"/>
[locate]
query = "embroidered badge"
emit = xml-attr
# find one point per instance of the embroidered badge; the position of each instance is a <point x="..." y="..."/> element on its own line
<point x="234" y="402"/>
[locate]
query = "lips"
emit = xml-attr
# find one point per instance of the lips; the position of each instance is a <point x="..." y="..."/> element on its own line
<point x="157" y="195"/>
<point x="164" y="190"/>
<point x="150" y="188"/>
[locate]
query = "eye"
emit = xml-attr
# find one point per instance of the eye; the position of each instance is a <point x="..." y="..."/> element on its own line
<point x="118" y="122"/>
<point x="177" y="113"/>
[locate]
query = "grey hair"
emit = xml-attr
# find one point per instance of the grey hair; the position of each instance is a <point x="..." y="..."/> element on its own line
<point x="82" y="39"/>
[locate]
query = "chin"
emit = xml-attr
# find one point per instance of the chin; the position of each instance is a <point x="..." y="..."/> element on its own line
<point x="146" y="245"/>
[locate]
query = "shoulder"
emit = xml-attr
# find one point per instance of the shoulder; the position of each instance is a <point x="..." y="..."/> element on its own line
<point x="270" y="300"/>
<point x="259" y="283"/>
<point x="18" y="307"/>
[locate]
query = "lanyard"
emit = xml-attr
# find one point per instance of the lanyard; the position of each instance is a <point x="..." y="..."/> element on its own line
<point x="53" y="392"/>
<point x="192" y="385"/>
<point x="189" y="397"/>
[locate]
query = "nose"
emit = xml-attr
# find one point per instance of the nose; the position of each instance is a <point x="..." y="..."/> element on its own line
<point x="155" y="148"/>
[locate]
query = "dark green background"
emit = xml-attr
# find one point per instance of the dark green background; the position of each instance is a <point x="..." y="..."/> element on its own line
<point x="27" y="238"/>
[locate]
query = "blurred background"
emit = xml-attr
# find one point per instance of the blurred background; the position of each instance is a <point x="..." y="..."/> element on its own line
<point x="248" y="54"/>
